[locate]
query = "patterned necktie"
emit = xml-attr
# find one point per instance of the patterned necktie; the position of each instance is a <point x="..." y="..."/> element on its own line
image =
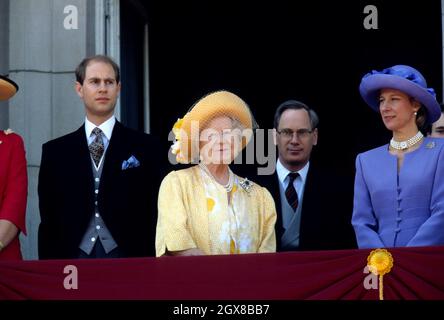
<point x="290" y="192"/>
<point x="97" y="147"/>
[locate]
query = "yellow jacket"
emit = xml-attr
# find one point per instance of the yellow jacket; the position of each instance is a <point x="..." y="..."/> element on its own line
<point x="183" y="216"/>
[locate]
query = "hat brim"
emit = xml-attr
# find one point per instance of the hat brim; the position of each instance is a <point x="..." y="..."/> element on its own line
<point x="371" y="86"/>
<point x="221" y="103"/>
<point x="8" y="88"/>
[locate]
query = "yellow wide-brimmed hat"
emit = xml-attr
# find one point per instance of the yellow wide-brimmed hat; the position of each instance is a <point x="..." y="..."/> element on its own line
<point x="8" y="88"/>
<point x="215" y="104"/>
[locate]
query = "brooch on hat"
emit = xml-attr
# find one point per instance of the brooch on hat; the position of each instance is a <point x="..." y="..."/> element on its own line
<point x="246" y="185"/>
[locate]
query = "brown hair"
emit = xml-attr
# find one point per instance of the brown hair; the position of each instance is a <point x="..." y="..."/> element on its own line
<point x="421" y="115"/>
<point x="295" y="105"/>
<point x="81" y="68"/>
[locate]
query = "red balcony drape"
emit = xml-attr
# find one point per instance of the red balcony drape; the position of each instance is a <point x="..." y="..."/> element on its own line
<point x="418" y="273"/>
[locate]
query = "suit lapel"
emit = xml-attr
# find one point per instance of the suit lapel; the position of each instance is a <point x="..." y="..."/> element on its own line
<point x="82" y="155"/>
<point x="113" y="154"/>
<point x="308" y="218"/>
<point x="274" y="190"/>
<point x="81" y="160"/>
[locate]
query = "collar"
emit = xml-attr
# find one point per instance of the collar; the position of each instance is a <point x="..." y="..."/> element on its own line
<point x="282" y="172"/>
<point x="107" y="127"/>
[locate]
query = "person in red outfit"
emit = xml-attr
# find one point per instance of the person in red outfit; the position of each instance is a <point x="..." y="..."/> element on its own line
<point x="13" y="184"/>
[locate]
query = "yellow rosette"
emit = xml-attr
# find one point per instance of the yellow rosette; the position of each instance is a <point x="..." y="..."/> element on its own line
<point x="380" y="262"/>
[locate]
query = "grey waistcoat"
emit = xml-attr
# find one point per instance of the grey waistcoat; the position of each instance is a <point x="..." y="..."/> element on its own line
<point x="97" y="230"/>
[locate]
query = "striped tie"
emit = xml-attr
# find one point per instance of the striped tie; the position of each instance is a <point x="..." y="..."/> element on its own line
<point x="290" y="192"/>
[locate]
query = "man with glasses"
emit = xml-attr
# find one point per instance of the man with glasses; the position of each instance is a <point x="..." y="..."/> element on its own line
<point x="313" y="207"/>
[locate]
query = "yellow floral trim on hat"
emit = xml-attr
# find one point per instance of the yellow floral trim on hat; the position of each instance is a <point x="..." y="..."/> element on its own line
<point x="8" y="131"/>
<point x="380" y="262"/>
<point x="176" y="127"/>
<point x="175" y="148"/>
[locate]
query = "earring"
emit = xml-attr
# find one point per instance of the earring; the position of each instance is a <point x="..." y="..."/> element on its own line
<point x="415" y="113"/>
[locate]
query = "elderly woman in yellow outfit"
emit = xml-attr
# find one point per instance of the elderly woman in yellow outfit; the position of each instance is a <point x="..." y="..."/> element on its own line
<point x="207" y="209"/>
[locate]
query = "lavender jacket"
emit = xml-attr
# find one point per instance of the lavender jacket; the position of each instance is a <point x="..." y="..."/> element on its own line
<point x="404" y="210"/>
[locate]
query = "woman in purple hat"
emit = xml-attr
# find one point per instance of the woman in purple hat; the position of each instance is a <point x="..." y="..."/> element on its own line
<point x="13" y="184"/>
<point x="399" y="187"/>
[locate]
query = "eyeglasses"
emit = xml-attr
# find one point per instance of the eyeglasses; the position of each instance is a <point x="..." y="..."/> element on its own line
<point x="300" y="133"/>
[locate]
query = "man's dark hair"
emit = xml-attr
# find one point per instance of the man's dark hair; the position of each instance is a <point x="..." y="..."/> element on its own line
<point x="295" y="105"/>
<point x="81" y="68"/>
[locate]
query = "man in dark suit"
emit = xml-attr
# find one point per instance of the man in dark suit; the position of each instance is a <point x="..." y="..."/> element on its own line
<point x="313" y="206"/>
<point x="98" y="185"/>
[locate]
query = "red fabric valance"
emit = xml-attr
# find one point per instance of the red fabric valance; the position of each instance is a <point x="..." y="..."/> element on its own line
<point x="418" y="273"/>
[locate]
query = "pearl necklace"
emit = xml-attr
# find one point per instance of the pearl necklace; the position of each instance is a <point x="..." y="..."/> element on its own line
<point x="403" y="145"/>
<point x="229" y="186"/>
